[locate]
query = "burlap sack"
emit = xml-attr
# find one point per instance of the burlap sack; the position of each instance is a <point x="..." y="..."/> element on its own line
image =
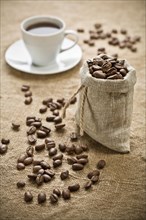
<point x="105" y="109"/>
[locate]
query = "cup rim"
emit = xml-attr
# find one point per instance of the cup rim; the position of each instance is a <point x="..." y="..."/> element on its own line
<point x="42" y="16"/>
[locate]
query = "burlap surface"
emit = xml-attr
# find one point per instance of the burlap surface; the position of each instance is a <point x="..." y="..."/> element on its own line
<point x="121" y="191"/>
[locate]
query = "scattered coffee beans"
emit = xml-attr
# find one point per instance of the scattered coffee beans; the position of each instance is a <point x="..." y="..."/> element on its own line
<point x="28" y="161"/>
<point x="28" y="197"/>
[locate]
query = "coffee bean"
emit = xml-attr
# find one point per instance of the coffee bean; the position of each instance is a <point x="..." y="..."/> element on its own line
<point x="99" y="74"/>
<point x="48" y="140"/>
<point x="28" y="93"/>
<point x="115" y="76"/>
<point x="88" y="185"/>
<point x="50" y="145"/>
<point x="61" y="101"/>
<point x="93" y="173"/>
<point x="97" y="25"/>
<point x="31" y="139"/>
<point x="91" y="43"/>
<point x="57" y="163"/>
<point x="31" y="130"/>
<point x="98" y="61"/>
<point x="108" y="34"/>
<point x="28" y="100"/>
<point x="28" y="160"/>
<point x="73" y="100"/>
<point x="86" y="41"/>
<point x="59" y="106"/>
<point x="30" y="151"/>
<point x="62" y="147"/>
<point x="70" y="149"/>
<point x="41" y="134"/>
<point x="57" y="119"/>
<point x="28" y="197"/>
<point x="5" y="141"/>
<point x="82" y="156"/>
<point x="111" y="71"/>
<point x="53" y="198"/>
<point x="123" y="31"/>
<point x="84" y="147"/>
<point x="45" y="165"/>
<point x="36" y="168"/>
<point x="45" y="129"/>
<point x="71" y="160"/>
<point x="101" y="164"/>
<point x="39" y="179"/>
<point x="20" y="184"/>
<point x="43" y="109"/>
<point x="50" y="173"/>
<point x="73" y="136"/>
<point x="114" y="31"/>
<point x="74" y="187"/>
<point x="78" y="150"/>
<point x="40" y="147"/>
<point x="47" y="100"/>
<point x="95" y="67"/>
<point x="36" y="124"/>
<point x="41" y="171"/>
<point x="29" y="122"/>
<point x="106" y="66"/>
<point x="59" y="126"/>
<point x="3" y="148"/>
<point x="37" y="161"/>
<point x="20" y="166"/>
<point x="95" y="179"/>
<point x="52" y="151"/>
<point x="58" y="156"/>
<point x="56" y="112"/>
<point x="115" y="55"/>
<point x="57" y="192"/>
<point x="133" y="49"/>
<point x="47" y="178"/>
<point x="25" y="88"/>
<point x="15" y="126"/>
<point x="32" y="176"/>
<point x="77" y="166"/>
<point x="80" y="30"/>
<point x="41" y="197"/>
<point x="123" y="72"/>
<point x="82" y="161"/>
<point x="64" y="175"/>
<point x="50" y="118"/>
<point x="22" y="158"/>
<point x="66" y="194"/>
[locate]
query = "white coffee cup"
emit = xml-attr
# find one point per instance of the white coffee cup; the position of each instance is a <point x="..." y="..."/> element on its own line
<point x="44" y="48"/>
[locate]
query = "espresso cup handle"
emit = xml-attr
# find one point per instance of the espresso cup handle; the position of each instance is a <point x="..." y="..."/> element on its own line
<point x="70" y="32"/>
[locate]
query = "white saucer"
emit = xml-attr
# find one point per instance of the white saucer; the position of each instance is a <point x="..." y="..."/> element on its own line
<point x="18" y="58"/>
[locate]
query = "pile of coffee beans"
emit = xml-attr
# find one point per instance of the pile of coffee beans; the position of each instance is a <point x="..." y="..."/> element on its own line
<point x="27" y="94"/>
<point x="107" y="67"/>
<point x="115" y="37"/>
<point x="4" y="145"/>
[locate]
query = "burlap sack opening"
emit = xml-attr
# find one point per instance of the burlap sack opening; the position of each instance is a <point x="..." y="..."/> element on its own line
<point x="105" y="109"/>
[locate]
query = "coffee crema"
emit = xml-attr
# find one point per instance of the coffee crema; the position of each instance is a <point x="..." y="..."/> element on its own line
<point x="43" y="28"/>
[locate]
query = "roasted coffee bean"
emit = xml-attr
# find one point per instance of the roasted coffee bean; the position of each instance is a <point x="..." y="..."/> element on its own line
<point x="50" y="173"/>
<point x="66" y="194"/>
<point x="28" y="160"/>
<point x="61" y="101"/>
<point x="62" y="147"/>
<point x="71" y="160"/>
<point x="41" y="134"/>
<point x="40" y="147"/>
<point x="94" y="36"/>
<point x="22" y="158"/>
<point x="115" y="76"/>
<point x="98" y="61"/>
<point x="123" y="31"/>
<point x="36" y="168"/>
<point x="31" y="139"/>
<point x="36" y="124"/>
<point x="37" y="161"/>
<point x="29" y="122"/>
<point x="30" y="151"/>
<point x="20" y="166"/>
<point x="25" y="88"/>
<point x="74" y="187"/>
<point x="41" y="197"/>
<point x="57" y="119"/>
<point x="77" y="166"/>
<point x="57" y="192"/>
<point x="89" y="62"/>
<point x="115" y="55"/>
<point x="88" y="185"/>
<point x="93" y="173"/>
<point x="70" y="149"/>
<point x="50" y="118"/>
<point x="78" y="150"/>
<point x="58" y="156"/>
<point x="97" y="25"/>
<point x="95" y="179"/>
<point x="111" y="71"/>
<point x="73" y="136"/>
<point x="43" y="109"/>
<point x="73" y="100"/>
<point x="28" y="197"/>
<point x="58" y="105"/>
<point x="28" y="100"/>
<point x="20" y="184"/>
<point x="39" y="179"/>
<point x="3" y="148"/>
<point x="86" y="41"/>
<point x="31" y="130"/>
<point x="45" y="129"/>
<point x="106" y="67"/>
<point x="99" y="74"/>
<point x="41" y="171"/>
<point x="101" y="164"/>
<point x="47" y="100"/>
<point x="122" y="45"/>
<point x="52" y="151"/>
<point x="47" y="178"/>
<point x="80" y="30"/>
<point x="5" y="141"/>
<point x="96" y="67"/>
<point x="45" y="165"/>
<point x="30" y="117"/>
<point x="48" y="140"/>
<point x="56" y="112"/>
<point x="123" y="72"/>
<point x="82" y="156"/>
<point x="50" y="145"/>
<point x="108" y="34"/>
<point x="84" y="147"/>
<point x="59" y="126"/>
<point x="57" y="163"/>
<point x="91" y="43"/>
<point x="114" y="31"/>
<point x="28" y="93"/>
<point x="53" y="198"/>
<point x="15" y="126"/>
<point x="82" y="161"/>
<point x="133" y="49"/>
<point x="32" y="176"/>
<point x="64" y="175"/>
